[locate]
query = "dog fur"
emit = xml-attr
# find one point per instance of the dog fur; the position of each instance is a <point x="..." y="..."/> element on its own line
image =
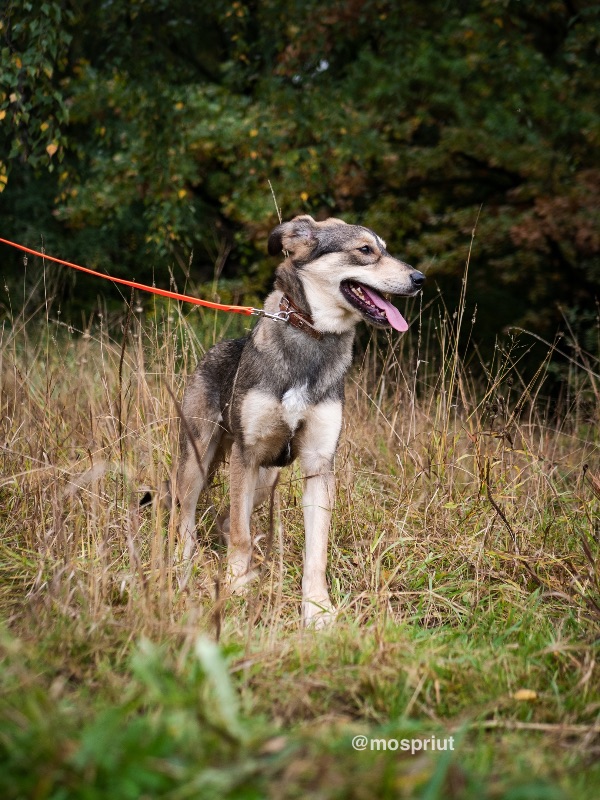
<point x="277" y="394"/>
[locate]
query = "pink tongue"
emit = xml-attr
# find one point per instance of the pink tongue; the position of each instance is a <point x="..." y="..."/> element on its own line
<point x="394" y="317"/>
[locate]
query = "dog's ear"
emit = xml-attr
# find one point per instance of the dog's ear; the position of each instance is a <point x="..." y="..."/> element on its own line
<point x="298" y="237"/>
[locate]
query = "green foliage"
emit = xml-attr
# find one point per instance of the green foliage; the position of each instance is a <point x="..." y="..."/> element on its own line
<point x="169" y="730"/>
<point x="33" y="103"/>
<point x="158" y="732"/>
<point x="408" y="119"/>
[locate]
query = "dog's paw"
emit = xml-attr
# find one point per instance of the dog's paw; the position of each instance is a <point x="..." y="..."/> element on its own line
<point x="238" y="584"/>
<point x="240" y="571"/>
<point x="318" y="613"/>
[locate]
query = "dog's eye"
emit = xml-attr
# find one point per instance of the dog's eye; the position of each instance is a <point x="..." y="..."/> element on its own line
<point x="365" y="249"/>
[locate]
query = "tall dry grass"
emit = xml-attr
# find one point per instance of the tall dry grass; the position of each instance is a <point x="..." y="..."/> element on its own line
<point x="457" y="485"/>
<point x="463" y="558"/>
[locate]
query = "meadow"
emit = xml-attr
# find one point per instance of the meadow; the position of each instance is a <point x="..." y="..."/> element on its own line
<point x="463" y="559"/>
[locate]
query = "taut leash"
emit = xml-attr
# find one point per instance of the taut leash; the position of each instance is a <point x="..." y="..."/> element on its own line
<point x="249" y="310"/>
<point x="288" y="310"/>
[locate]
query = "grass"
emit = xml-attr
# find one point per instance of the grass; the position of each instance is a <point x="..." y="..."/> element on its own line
<point x="463" y="557"/>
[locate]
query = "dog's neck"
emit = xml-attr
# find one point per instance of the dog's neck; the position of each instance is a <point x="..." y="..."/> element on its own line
<point x="287" y="280"/>
<point x="298" y="318"/>
<point x="325" y="317"/>
<point x="293" y="301"/>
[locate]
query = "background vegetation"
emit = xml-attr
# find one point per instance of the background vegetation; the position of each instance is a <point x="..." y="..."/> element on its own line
<point x="137" y="133"/>
<point x="465" y="543"/>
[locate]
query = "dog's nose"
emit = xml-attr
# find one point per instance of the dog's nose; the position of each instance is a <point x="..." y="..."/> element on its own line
<point x="417" y="278"/>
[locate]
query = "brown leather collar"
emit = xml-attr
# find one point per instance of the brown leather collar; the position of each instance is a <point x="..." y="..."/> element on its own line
<point x="298" y="318"/>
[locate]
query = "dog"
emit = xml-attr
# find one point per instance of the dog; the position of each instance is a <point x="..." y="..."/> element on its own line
<point x="277" y="394"/>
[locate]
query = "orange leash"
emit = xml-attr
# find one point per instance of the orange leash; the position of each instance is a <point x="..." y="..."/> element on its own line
<point x="163" y="292"/>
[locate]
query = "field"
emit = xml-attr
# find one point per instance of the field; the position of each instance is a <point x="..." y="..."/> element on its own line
<point x="463" y="557"/>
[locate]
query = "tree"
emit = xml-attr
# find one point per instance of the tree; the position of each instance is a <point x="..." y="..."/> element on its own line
<point x="406" y="118"/>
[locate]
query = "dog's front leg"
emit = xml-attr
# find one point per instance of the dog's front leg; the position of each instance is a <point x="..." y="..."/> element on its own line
<point x="316" y="457"/>
<point x="243" y="479"/>
<point x="267" y="478"/>
<point x="317" y="502"/>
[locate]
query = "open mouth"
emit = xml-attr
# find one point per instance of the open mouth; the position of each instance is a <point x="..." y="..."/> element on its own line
<point x="375" y="308"/>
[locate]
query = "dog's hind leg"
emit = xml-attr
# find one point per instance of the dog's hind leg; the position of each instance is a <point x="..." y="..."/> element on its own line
<point x="192" y="478"/>
<point x="201" y="435"/>
<point x="267" y="478"/>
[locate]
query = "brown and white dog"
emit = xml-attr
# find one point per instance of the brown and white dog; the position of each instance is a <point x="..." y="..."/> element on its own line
<point x="277" y="394"/>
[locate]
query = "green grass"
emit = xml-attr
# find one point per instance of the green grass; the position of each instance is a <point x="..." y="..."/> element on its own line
<point x="463" y="559"/>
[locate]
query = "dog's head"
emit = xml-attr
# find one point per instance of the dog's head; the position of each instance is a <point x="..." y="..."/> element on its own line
<point x="345" y="270"/>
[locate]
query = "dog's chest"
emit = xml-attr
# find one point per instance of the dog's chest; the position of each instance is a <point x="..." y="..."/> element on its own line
<point x="294" y="405"/>
<point x="268" y="422"/>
